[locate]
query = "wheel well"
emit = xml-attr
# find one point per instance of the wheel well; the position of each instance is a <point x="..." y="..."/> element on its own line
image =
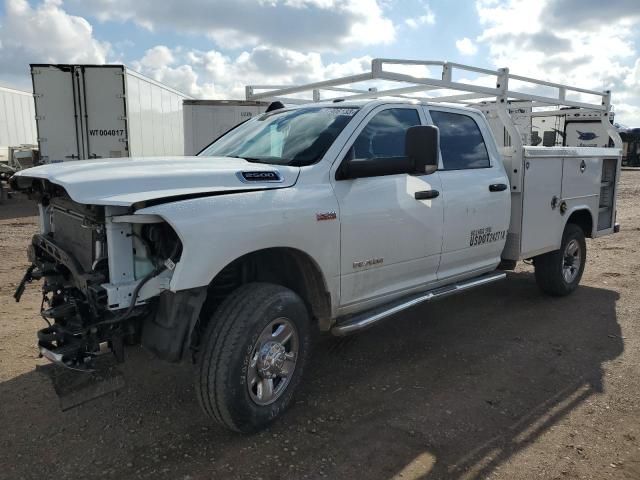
<point x="583" y="219"/>
<point x="288" y="267"/>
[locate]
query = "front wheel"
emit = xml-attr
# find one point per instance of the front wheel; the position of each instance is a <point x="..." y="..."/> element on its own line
<point x="558" y="273"/>
<point x="253" y="355"/>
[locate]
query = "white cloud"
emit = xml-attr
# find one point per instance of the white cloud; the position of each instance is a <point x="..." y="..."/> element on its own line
<point x="317" y="25"/>
<point x="428" y="18"/>
<point x="591" y="13"/>
<point x="633" y="78"/>
<point x="211" y="74"/>
<point x="45" y="34"/>
<point x="466" y="47"/>
<point x="157" y="57"/>
<point x="586" y="52"/>
<point x="201" y="73"/>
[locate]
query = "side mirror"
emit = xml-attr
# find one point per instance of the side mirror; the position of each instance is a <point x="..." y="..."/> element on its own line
<point x="421" y="148"/>
<point x="421" y="157"/>
<point x="374" y="167"/>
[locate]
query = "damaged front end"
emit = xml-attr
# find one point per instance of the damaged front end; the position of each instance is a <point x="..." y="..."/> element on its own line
<point x="103" y="269"/>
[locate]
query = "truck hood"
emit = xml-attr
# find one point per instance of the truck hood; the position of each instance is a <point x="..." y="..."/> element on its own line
<point x="125" y="181"/>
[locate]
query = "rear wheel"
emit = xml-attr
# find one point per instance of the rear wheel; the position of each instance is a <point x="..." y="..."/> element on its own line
<point x="253" y="355"/>
<point x="558" y="273"/>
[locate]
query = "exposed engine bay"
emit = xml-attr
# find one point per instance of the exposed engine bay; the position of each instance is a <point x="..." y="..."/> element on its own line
<point x="103" y="269"/>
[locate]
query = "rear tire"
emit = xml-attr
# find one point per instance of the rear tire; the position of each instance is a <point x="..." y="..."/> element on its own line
<point x="252" y="357"/>
<point x="558" y="273"/>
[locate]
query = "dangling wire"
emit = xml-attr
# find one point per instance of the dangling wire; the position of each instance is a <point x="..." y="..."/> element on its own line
<point x="44" y="299"/>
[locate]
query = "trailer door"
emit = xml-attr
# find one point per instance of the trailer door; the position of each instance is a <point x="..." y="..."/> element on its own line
<point x="104" y="119"/>
<point x="57" y="113"/>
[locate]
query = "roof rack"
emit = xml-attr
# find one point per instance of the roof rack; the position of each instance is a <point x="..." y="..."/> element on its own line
<point x="443" y="88"/>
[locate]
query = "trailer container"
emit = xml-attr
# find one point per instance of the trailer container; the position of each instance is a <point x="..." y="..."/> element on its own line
<point x="104" y="111"/>
<point x="206" y="120"/>
<point x="17" y="120"/>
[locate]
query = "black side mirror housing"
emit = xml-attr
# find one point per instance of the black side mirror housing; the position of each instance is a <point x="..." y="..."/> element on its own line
<point x="421" y="148"/>
<point x="374" y="167"/>
<point x="421" y="157"/>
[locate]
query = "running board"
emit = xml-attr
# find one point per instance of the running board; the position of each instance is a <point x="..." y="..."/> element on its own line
<point x="364" y="320"/>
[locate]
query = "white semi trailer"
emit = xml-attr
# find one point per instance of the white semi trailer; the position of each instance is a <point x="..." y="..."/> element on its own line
<point x="104" y="111"/>
<point x="17" y="120"/>
<point x="206" y="120"/>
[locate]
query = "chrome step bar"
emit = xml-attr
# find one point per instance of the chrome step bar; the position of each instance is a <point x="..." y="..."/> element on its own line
<point x="364" y="320"/>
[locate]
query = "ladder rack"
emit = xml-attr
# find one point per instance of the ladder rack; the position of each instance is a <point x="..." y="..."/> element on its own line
<point x="442" y="87"/>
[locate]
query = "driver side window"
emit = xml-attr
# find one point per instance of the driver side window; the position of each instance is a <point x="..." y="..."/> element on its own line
<point x="384" y="135"/>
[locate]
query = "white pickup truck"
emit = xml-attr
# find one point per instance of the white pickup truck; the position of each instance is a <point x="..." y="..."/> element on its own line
<point x="326" y="215"/>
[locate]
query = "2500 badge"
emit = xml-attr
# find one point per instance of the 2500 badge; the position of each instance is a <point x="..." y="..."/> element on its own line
<point x="484" y="235"/>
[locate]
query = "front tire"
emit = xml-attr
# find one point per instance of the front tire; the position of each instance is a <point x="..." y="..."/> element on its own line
<point x="253" y="355"/>
<point x="558" y="273"/>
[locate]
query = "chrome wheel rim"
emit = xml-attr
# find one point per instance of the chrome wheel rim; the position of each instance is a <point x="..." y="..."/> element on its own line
<point x="571" y="260"/>
<point x="272" y="361"/>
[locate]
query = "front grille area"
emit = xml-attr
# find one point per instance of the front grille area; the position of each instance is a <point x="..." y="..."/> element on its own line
<point x="76" y="239"/>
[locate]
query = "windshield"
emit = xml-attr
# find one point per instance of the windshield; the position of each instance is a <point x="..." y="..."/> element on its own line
<point x="290" y="137"/>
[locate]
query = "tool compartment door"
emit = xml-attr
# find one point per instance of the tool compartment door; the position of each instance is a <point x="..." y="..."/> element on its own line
<point x="542" y="222"/>
<point x="581" y="177"/>
<point x="105" y="125"/>
<point x="57" y="113"/>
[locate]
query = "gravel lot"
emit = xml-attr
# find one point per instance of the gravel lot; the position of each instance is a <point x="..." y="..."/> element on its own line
<point x="500" y="383"/>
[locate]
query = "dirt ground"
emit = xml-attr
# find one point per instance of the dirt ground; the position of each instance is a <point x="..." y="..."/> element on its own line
<point x="500" y="383"/>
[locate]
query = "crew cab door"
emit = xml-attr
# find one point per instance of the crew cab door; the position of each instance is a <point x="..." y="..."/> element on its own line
<point x="390" y="241"/>
<point x="476" y="195"/>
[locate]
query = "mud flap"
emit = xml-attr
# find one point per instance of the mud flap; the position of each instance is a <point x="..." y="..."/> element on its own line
<point x="168" y="333"/>
<point x="75" y="388"/>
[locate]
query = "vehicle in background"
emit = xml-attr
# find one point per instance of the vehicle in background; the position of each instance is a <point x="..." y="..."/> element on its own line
<point x="23" y="156"/>
<point x="631" y="147"/>
<point x="6" y="172"/>
<point x="206" y="120"/>
<point x="330" y="215"/>
<point x="104" y="111"/>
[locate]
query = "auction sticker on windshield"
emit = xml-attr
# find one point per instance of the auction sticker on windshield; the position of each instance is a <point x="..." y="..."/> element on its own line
<point x="338" y="112"/>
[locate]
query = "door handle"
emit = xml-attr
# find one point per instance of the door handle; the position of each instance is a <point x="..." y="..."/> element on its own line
<point x="498" y="187"/>
<point x="427" y="194"/>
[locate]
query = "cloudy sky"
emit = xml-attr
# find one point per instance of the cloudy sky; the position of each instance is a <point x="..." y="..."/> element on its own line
<point x="212" y="48"/>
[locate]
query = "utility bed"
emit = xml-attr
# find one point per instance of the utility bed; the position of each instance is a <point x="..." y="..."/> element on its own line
<point x="548" y="180"/>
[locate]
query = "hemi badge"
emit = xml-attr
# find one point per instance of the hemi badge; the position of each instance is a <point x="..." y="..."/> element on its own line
<point x="326" y="216"/>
